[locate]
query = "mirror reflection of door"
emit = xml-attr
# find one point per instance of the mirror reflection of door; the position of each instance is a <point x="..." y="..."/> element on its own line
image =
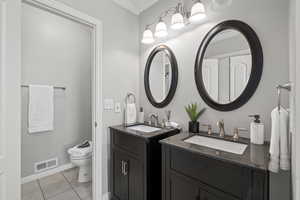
<point x="167" y="78"/>
<point x="226" y="66"/>
<point x="160" y="76"/>
<point x="211" y="77"/>
<point x="240" y="69"/>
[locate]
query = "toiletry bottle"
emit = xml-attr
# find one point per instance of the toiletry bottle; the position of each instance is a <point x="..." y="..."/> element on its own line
<point x="257" y="135"/>
<point x="141" y="115"/>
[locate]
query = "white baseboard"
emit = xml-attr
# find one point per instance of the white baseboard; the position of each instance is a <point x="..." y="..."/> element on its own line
<point x="296" y="189"/>
<point x="106" y="196"/>
<point x="47" y="173"/>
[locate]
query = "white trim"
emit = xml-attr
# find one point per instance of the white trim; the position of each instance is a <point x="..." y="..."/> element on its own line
<point x="10" y="106"/>
<point x="66" y="11"/>
<point x="296" y="161"/>
<point x="47" y="173"/>
<point x="2" y="83"/>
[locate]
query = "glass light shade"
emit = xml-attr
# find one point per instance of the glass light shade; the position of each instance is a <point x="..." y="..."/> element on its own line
<point x="197" y="12"/>
<point x="161" y="29"/>
<point x="177" y="21"/>
<point x="147" y="37"/>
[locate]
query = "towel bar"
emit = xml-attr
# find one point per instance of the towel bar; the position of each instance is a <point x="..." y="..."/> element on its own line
<point x="55" y="87"/>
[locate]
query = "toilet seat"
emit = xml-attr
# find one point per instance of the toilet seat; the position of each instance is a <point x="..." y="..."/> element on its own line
<point x="87" y="156"/>
<point x="81" y="153"/>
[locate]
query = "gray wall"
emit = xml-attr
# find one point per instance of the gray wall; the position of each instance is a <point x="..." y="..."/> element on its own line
<point x="269" y="18"/>
<point x="120" y="61"/>
<point x="56" y="51"/>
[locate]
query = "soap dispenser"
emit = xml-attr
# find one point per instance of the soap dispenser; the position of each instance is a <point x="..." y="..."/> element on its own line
<point x="257" y="135"/>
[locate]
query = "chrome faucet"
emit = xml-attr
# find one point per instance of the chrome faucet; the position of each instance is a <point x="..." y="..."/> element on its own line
<point x="221" y="126"/>
<point x="155" y="117"/>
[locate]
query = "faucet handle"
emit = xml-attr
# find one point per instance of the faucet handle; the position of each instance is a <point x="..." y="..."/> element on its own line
<point x="209" y="132"/>
<point x="221" y="125"/>
<point x="236" y="133"/>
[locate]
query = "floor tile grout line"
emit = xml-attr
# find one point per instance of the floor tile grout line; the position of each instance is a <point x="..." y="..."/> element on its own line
<point x="71" y="186"/>
<point x="38" y="182"/>
<point x="50" y="197"/>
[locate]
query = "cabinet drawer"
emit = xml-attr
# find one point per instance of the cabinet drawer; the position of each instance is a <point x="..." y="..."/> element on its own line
<point x="129" y="143"/>
<point x="221" y="175"/>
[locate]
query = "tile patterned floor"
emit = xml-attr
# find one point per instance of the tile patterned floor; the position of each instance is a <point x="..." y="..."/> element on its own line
<point x="61" y="186"/>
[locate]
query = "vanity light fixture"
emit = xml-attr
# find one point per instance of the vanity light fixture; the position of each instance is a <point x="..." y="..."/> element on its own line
<point x="180" y="18"/>
<point x="177" y="19"/>
<point x="197" y="12"/>
<point x="161" y="29"/>
<point x="147" y="36"/>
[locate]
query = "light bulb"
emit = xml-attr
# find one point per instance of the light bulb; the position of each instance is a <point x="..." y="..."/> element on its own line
<point x="177" y="21"/>
<point x="147" y="36"/>
<point x="197" y="12"/>
<point x="161" y="29"/>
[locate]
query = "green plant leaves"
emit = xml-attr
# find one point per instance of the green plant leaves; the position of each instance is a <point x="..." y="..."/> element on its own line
<point x="192" y="111"/>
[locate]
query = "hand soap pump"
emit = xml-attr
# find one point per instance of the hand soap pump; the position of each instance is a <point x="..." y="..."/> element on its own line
<point x="257" y="135"/>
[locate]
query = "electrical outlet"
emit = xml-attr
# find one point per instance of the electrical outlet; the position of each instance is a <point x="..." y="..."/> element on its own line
<point x="117" y="107"/>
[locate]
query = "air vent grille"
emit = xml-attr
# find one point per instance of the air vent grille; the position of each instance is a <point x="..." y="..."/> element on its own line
<point x="45" y="165"/>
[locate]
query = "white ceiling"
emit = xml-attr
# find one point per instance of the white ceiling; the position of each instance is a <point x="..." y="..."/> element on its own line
<point x="135" y="6"/>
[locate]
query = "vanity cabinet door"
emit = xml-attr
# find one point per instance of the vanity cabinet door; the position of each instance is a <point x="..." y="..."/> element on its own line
<point x="134" y="170"/>
<point x="121" y="180"/>
<point x="182" y="188"/>
<point x="127" y="177"/>
<point x="216" y="196"/>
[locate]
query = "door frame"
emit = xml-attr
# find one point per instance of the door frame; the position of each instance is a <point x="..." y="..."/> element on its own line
<point x="295" y="94"/>
<point x="10" y="96"/>
<point x="97" y="106"/>
<point x="296" y="91"/>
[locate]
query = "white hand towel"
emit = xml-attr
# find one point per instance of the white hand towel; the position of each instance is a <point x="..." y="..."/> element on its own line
<point x="279" y="147"/>
<point x="41" y="108"/>
<point x="284" y="140"/>
<point x="131" y="113"/>
<point x="275" y="142"/>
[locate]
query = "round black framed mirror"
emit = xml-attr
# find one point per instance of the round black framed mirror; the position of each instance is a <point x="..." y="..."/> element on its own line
<point x="229" y="65"/>
<point x="161" y="76"/>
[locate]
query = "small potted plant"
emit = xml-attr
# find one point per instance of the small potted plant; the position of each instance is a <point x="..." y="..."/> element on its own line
<point x="194" y="114"/>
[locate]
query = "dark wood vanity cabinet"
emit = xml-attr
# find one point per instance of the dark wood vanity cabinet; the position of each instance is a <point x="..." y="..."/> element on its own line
<point x="136" y="164"/>
<point x="191" y="176"/>
<point x="125" y="181"/>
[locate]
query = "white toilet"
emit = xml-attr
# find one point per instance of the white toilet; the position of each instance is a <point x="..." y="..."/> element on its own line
<point x="81" y="156"/>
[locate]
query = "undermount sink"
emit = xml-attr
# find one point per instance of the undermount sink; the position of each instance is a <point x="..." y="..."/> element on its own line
<point x="222" y="145"/>
<point x="144" y="128"/>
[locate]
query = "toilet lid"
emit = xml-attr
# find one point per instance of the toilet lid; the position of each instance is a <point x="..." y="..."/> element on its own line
<point x="81" y="150"/>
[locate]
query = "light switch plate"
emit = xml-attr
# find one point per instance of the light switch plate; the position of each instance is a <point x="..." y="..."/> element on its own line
<point x="108" y="104"/>
<point x="117" y="107"/>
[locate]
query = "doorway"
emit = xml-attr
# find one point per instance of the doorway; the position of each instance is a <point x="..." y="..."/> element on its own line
<point x="61" y="47"/>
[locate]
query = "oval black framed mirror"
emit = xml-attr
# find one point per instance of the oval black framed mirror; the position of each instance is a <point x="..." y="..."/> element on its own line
<point x="229" y="65"/>
<point x="161" y="76"/>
